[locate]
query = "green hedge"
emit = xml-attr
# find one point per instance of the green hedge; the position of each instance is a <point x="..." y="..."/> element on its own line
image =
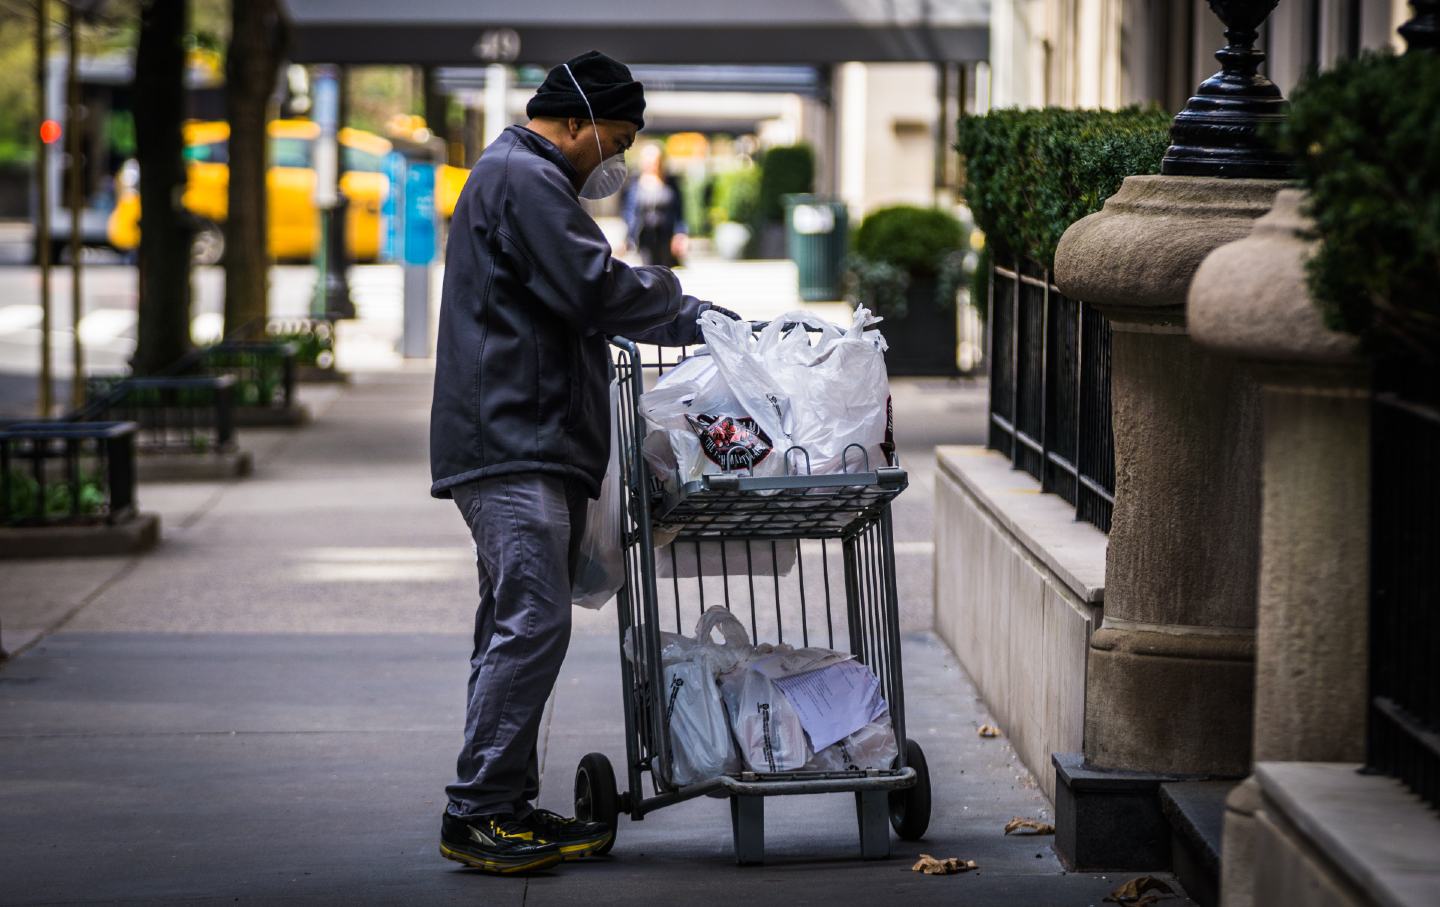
<point x="1030" y="174"/>
<point x="1366" y="136"/>
<point x="784" y="170"/>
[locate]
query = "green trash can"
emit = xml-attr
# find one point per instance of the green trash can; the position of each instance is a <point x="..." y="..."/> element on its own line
<point x="816" y="232"/>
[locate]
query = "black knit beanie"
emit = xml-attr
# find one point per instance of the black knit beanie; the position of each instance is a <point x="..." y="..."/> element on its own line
<point x="613" y="94"/>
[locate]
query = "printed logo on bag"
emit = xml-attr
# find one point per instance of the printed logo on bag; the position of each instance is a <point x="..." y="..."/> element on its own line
<point x="730" y="443"/>
<point x="675" y="686"/>
<point x="765" y="732"/>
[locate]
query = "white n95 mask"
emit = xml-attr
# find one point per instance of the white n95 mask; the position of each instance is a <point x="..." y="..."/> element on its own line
<point x="606" y="179"/>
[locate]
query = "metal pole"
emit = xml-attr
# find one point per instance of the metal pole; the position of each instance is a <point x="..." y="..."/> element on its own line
<point x="497" y="96"/>
<point x="72" y="128"/>
<point x="42" y="224"/>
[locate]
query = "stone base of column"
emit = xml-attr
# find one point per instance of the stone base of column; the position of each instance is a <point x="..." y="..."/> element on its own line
<point x="1109" y="819"/>
<point x="1172" y="700"/>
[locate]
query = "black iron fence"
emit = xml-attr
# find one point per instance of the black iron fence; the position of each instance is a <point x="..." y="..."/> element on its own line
<point x="1050" y="389"/>
<point x="173" y="415"/>
<point x="1404" y="725"/>
<point x="67" y="473"/>
<point x="264" y="370"/>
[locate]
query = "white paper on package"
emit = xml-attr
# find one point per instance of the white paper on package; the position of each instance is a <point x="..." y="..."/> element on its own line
<point x="833" y="701"/>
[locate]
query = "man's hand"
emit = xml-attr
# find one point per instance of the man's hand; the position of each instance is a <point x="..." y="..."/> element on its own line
<point x="723" y="311"/>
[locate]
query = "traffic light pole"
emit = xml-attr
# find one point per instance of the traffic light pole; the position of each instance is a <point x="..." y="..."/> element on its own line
<point x="42" y="195"/>
<point x="332" y="290"/>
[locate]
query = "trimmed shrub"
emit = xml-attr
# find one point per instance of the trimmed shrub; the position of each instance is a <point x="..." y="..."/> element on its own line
<point x="901" y="244"/>
<point x="915" y="239"/>
<point x="1030" y="174"/>
<point x="1366" y="137"/>
<point x="737" y="196"/>
<point x="784" y="170"/>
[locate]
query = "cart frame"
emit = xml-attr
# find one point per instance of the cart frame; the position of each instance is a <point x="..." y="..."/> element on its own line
<point x="767" y="514"/>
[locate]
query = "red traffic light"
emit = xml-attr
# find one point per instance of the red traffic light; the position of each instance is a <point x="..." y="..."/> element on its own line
<point x="50" y="132"/>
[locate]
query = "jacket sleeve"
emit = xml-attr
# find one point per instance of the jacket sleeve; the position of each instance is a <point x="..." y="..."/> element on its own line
<point x="683" y="331"/>
<point x="572" y="273"/>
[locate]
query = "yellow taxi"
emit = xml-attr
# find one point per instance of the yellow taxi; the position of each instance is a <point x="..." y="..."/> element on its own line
<point x="294" y="223"/>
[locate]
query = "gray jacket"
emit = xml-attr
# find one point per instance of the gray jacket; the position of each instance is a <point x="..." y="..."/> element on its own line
<point x="530" y="293"/>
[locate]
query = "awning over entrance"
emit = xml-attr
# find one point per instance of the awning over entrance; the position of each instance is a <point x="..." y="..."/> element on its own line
<point x="461" y="32"/>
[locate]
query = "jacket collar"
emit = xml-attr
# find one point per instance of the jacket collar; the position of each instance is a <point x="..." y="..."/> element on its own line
<point x="546" y="149"/>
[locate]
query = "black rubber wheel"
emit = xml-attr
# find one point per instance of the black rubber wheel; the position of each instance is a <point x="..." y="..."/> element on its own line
<point x="910" y="807"/>
<point x="596" y="799"/>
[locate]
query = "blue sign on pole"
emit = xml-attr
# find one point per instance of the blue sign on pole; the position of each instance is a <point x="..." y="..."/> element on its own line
<point x="391" y="209"/>
<point x="419" y="214"/>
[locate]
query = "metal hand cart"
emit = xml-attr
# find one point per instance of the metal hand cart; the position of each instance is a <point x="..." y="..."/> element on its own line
<point x="839" y="528"/>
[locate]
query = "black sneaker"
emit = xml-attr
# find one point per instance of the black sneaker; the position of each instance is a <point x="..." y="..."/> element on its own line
<point x="496" y="844"/>
<point x="577" y="838"/>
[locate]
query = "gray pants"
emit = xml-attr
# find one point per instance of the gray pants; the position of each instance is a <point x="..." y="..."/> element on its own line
<point x="527" y="529"/>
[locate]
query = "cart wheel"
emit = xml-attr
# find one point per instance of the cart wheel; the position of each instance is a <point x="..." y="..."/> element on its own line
<point x="595" y="796"/>
<point x="910" y="807"/>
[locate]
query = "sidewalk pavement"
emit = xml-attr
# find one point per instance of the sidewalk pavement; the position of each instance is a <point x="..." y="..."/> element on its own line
<point x="267" y="707"/>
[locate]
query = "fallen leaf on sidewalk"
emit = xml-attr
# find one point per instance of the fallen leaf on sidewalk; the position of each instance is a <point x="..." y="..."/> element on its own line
<point x="1140" y="892"/>
<point x="948" y="866"/>
<point x="1029" y="826"/>
<point x="989" y="730"/>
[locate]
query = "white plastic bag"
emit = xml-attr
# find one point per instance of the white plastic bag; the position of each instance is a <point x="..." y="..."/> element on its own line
<point x="873" y="746"/>
<point x="600" y="567"/>
<point x="835" y="387"/>
<point x="767" y="729"/>
<point x="699" y="733"/>
<point x="709" y="428"/>
<point x="700" y="743"/>
<point x="770" y="724"/>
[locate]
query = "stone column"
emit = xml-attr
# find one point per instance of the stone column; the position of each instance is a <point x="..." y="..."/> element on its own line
<point x="1249" y="300"/>
<point x="1170" y="673"/>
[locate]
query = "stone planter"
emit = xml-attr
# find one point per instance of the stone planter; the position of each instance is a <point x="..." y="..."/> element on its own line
<point x="731" y="239"/>
<point x="769" y="241"/>
<point x="922" y="342"/>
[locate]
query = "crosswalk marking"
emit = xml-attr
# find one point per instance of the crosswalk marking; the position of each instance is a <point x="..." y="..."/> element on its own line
<point x="106" y="325"/>
<point x="20" y="317"/>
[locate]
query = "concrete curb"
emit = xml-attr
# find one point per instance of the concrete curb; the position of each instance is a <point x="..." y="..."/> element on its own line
<point x="130" y="537"/>
<point x="205" y="467"/>
<point x="271" y="417"/>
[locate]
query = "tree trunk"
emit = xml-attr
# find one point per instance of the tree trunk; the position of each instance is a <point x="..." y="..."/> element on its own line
<point x="256" y="40"/>
<point x="164" y="312"/>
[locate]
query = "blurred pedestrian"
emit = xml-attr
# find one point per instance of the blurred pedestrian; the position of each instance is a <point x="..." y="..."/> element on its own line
<point x="520" y="428"/>
<point x="654" y="211"/>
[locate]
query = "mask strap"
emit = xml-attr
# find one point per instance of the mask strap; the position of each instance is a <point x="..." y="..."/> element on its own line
<point x="593" y="125"/>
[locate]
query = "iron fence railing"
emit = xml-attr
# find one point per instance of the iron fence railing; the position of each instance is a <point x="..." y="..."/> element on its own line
<point x="1050" y="389"/>
<point x="264" y="370"/>
<point x="1404" y="722"/>
<point x="66" y="473"/>
<point x="173" y="415"/>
